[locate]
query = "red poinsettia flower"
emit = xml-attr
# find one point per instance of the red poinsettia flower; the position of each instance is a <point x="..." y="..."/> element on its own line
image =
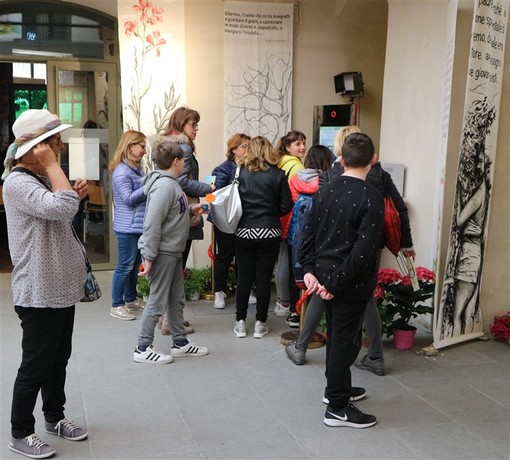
<point x="425" y="275"/>
<point x="501" y="327"/>
<point x="388" y="275"/>
<point x="130" y="27"/>
<point x="155" y="41"/>
<point x="406" y="281"/>
<point x="398" y="301"/>
<point x="379" y="292"/>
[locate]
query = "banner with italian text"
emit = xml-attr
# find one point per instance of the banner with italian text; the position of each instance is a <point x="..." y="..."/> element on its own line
<point x="458" y="317"/>
<point x="258" y="41"/>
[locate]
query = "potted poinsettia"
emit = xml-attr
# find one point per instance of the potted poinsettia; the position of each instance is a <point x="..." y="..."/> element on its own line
<point x="500" y="328"/>
<point x="397" y="300"/>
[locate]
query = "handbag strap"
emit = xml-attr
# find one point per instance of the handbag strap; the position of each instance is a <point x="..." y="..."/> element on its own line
<point x="236" y="176"/>
<point x="35" y="176"/>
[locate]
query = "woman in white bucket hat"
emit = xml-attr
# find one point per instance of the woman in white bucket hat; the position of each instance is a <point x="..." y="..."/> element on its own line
<point x="40" y="204"/>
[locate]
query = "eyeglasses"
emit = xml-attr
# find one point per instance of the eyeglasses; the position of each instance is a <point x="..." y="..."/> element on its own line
<point x="193" y="125"/>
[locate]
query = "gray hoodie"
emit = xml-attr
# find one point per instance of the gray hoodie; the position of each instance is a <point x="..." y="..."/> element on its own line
<point x="166" y="223"/>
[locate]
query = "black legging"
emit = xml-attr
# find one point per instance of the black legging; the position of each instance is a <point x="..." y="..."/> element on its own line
<point x="255" y="264"/>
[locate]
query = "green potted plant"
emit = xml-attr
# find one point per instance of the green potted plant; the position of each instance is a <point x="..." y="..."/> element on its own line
<point x="142" y="287"/>
<point x="195" y="281"/>
<point x="397" y="300"/>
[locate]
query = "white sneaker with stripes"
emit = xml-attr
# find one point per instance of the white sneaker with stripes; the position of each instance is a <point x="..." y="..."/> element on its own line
<point x="151" y="356"/>
<point x="188" y="350"/>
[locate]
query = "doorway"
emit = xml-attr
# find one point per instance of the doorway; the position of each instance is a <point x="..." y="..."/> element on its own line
<point x="43" y="66"/>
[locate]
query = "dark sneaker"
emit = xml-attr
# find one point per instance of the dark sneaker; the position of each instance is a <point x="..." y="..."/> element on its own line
<point x="349" y="416"/>
<point x="31" y="447"/>
<point x="296" y="355"/>
<point x="357" y="393"/>
<point x="293" y="320"/>
<point x="375" y="366"/>
<point x="66" y="429"/>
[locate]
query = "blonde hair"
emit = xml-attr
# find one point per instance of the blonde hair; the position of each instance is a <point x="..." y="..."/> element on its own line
<point x="123" y="151"/>
<point x="259" y="155"/>
<point x="340" y="138"/>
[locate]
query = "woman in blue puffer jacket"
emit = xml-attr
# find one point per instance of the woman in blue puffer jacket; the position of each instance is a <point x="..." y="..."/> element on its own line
<point x="129" y="211"/>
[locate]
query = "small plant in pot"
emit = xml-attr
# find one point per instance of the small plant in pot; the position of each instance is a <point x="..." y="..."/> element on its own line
<point x="142" y="287"/>
<point x="196" y="280"/>
<point x="500" y="328"/>
<point x="397" y="300"/>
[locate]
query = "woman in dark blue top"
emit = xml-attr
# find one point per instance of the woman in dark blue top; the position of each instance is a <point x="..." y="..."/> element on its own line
<point x="225" y="242"/>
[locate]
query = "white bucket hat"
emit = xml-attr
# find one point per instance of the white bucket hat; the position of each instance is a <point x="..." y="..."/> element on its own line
<point x="32" y="127"/>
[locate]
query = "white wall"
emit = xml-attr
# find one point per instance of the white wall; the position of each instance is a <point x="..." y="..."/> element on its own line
<point x="410" y="129"/>
<point x="412" y="109"/>
<point x="328" y="39"/>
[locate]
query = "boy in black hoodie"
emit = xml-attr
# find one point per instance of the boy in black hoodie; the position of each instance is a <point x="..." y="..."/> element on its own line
<point x="339" y="255"/>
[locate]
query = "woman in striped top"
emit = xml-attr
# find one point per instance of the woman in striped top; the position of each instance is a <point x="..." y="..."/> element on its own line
<point x="265" y="196"/>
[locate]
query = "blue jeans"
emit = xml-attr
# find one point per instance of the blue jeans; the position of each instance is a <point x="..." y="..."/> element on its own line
<point x="125" y="275"/>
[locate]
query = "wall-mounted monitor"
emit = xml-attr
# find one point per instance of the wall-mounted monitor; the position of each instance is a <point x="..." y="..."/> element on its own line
<point x="328" y="119"/>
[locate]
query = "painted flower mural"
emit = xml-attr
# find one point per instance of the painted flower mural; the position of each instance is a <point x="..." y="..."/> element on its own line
<point x="148" y="43"/>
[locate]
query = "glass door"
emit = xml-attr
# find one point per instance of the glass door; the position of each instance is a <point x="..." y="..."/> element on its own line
<point x="85" y="95"/>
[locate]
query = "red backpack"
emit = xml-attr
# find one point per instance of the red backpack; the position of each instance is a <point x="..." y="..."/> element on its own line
<point x="391" y="231"/>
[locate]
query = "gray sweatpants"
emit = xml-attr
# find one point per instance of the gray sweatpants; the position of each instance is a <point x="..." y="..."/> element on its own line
<point x="281" y="276"/>
<point x="166" y="295"/>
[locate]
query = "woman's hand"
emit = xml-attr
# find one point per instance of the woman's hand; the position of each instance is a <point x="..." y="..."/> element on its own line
<point x="45" y="155"/>
<point x="81" y="187"/>
<point x="409" y="252"/>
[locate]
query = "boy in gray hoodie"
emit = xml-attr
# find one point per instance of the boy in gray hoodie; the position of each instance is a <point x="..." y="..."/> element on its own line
<point x="165" y="231"/>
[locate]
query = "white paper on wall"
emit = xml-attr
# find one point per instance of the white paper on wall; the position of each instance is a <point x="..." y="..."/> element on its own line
<point x="84" y="158"/>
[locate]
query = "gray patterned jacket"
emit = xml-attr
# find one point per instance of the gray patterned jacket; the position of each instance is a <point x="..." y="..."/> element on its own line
<point x="49" y="264"/>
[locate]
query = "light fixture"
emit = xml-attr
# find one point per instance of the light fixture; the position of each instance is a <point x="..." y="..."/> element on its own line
<point x="349" y="84"/>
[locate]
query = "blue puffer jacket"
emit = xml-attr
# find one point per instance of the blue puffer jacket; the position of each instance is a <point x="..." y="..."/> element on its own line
<point x="224" y="173"/>
<point x="129" y="199"/>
